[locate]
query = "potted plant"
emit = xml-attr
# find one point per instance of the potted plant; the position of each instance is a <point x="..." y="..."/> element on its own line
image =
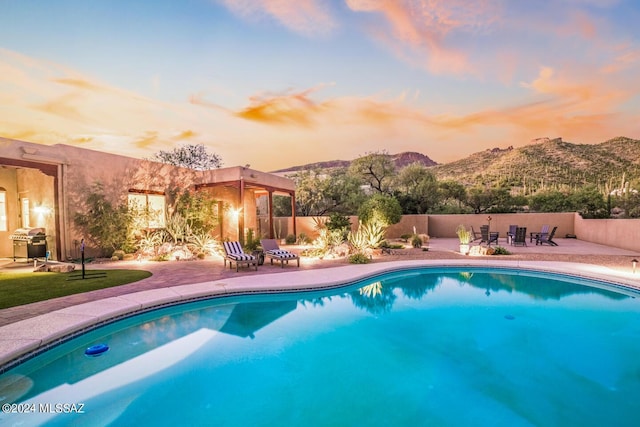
<point x="465" y="238"/>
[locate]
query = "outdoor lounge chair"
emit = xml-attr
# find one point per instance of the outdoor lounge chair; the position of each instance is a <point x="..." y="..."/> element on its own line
<point x="273" y="251"/>
<point x="536" y="235"/>
<point x="234" y="253"/>
<point x="476" y="235"/>
<point x="520" y="237"/>
<point x="488" y="236"/>
<point x="511" y="234"/>
<point x="547" y="238"/>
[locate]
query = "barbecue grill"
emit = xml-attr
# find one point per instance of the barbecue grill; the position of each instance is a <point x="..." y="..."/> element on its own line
<point x="29" y="243"/>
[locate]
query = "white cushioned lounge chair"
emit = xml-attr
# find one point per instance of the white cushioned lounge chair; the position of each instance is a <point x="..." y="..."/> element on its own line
<point x="273" y="251"/>
<point x="234" y="253"/>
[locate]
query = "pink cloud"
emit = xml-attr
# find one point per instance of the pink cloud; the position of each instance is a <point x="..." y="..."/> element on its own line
<point x="419" y="30"/>
<point x="308" y="17"/>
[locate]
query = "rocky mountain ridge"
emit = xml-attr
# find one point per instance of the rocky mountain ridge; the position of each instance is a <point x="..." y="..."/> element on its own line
<point x="545" y="162"/>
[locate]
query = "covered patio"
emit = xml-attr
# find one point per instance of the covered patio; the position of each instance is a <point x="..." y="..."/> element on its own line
<point x="247" y="197"/>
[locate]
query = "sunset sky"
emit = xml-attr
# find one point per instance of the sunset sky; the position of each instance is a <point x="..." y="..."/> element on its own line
<point x="278" y="83"/>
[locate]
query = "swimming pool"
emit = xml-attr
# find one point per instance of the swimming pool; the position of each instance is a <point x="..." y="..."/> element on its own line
<point x="450" y="346"/>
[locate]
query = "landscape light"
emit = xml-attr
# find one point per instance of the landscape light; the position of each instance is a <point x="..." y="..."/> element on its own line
<point x="634" y="262"/>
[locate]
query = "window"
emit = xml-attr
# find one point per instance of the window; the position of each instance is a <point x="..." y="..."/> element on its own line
<point x="3" y="210"/>
<point x="24" y="204"/>
<point x="151" y="208"/>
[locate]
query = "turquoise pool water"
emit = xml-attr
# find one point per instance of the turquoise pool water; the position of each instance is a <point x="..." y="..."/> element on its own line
<point x="437" y="347"/>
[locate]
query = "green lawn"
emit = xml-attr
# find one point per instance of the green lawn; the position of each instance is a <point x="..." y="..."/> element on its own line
<point x="28" y="287"/>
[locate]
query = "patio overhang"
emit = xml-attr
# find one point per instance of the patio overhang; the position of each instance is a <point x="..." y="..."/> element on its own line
<point x="242" y="179"/>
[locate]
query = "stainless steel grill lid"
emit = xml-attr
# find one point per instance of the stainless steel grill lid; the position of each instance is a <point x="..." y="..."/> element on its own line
<point x="27" y="233"/>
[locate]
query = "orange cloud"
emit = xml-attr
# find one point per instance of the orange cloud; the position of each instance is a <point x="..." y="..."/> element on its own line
<point x="187" y="134"/>
<point x="299" y="109"/>
<point x="296" y="109"/>
<point x="149" y="139"/>
<point x="589" y="92"/>
<point x="79" y="83"/>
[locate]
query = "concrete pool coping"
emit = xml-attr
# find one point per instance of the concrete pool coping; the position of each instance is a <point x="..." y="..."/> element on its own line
<point x="22" y="339"/>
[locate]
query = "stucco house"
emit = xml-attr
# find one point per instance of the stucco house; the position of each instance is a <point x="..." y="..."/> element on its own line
<point x="44" y="186"/>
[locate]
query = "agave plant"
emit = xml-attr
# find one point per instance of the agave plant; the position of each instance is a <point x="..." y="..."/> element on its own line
<point x="358" y="241"/>
<point x="369" y="236"/>
<point x="202" y="242"/>
<point x="177" y="227"/>
<point x="151" y="240"/>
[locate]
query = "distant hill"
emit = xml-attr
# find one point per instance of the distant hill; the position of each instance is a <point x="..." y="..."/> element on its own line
<point x="545" y="163"/>
<point x="549" y="163"/>
<point x="401" y="160"/>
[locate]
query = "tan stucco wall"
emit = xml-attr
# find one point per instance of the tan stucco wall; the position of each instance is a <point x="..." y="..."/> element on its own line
<point x="621" y="233"/>
<point x="407" y="224"/>
<point x="8" y="181"/>
<point x="78" y="169"/>
<point x="445" y="225"/>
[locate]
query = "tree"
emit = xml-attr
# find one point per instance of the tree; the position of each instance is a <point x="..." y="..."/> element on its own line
<point x="382" y="209"/>
<point x="589" y="202"/>
<point x="550" y="201"/>
<point x="319" y="193"/>
<point x="416" y="189"/>
<point x="192" y="156"/>
<point x="107" y="227"/>
<point x="453" y="196"/>
<point x="375" y="169"/>
<point x="199" y="209"/>
<point x="482" y="199"/>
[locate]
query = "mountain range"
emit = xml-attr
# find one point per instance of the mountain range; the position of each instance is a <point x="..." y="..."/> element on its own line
<point x="544" y="163"/>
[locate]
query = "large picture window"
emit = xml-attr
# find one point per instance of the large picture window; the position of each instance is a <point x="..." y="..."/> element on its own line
<point x="24" y="212"/>
<point x="151" y="208"/>
<point x="3" y="210"/>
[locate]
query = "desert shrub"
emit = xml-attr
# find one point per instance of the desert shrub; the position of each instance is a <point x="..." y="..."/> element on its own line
<point x="107" y="226"/>
<point x="416" y="241"/>
<point x="303" y="239"/>
<point x="162" y="257"/>
<point x="499" y="250"/>
<point x="251" y="243"/>
<point x="118" y="254"/>
<point x="290" y="239"/>
<point x="359" y="258"/>
<point x="338" y="222"/>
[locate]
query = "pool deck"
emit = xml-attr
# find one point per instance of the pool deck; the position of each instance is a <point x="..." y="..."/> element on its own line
<point x="30" y="328"/>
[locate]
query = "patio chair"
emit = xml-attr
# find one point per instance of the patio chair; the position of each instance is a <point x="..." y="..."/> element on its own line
<point x="234" y="253"/>
<point x="520" y="237"/>
<point x="547" y="238"/>
<point x="273" y="252"/>
<point x="535" y="235"/>
<point x="476" y="235"/>
<point x="511" y="233"/>
<point x="488" y="236"/>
